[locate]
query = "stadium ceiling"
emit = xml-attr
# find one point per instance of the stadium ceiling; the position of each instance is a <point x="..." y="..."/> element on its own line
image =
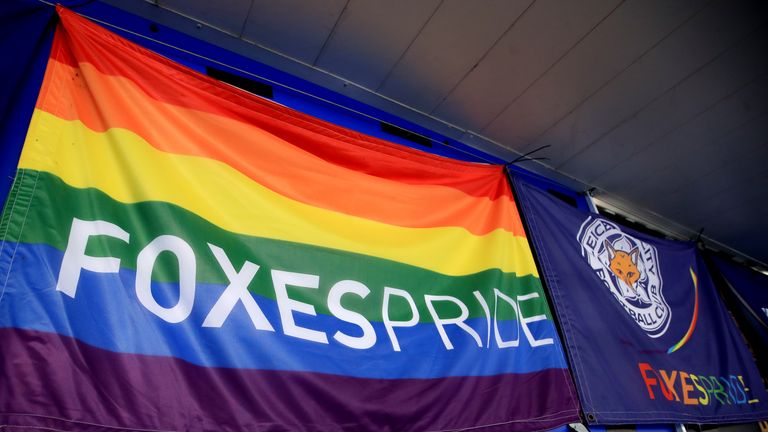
<point x="661" y="106"/>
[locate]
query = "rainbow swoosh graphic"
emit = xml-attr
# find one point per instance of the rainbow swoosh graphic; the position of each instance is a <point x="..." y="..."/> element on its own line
<point x="695" y="317"/>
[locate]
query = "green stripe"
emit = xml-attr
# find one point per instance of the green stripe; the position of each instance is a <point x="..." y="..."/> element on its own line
<point x="56" y="204"/>
<point x="15" y="211"/>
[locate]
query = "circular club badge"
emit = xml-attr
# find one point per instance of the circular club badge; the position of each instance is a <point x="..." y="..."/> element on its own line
<point x="629" y="268"/>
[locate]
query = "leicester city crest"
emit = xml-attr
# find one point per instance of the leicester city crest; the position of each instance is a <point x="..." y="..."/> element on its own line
<point x="629" y="269"/>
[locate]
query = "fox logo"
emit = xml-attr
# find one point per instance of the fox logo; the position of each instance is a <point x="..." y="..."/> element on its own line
<point x="624" y="267"/>
<point x="629" y="269"/>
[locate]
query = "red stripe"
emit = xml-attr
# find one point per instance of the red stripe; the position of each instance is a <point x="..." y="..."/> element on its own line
<point x="113" y="55"/>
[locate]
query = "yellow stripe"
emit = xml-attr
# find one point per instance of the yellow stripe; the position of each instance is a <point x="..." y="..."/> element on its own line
<point x="124" y="166"/>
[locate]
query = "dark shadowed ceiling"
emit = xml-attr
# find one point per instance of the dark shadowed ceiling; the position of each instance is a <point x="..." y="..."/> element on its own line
<point x="661" y="105"/>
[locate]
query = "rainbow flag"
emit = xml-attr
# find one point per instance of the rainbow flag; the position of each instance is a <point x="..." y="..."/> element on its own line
<point x="181" y="255"/>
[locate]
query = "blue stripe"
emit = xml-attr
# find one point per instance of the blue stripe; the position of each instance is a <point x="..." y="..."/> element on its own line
<point x="106" y="313"/>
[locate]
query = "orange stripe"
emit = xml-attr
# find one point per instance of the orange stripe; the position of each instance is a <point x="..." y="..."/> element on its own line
<point x="265" y="158"/>
<point x="83" y="42"/>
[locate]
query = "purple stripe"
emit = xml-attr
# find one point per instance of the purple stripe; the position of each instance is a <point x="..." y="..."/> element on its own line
<point x="48" y="380"/>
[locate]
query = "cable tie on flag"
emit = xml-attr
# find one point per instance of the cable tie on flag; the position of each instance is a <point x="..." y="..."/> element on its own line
<point x="698" y="240"/>
<point x="525" y="157"/>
